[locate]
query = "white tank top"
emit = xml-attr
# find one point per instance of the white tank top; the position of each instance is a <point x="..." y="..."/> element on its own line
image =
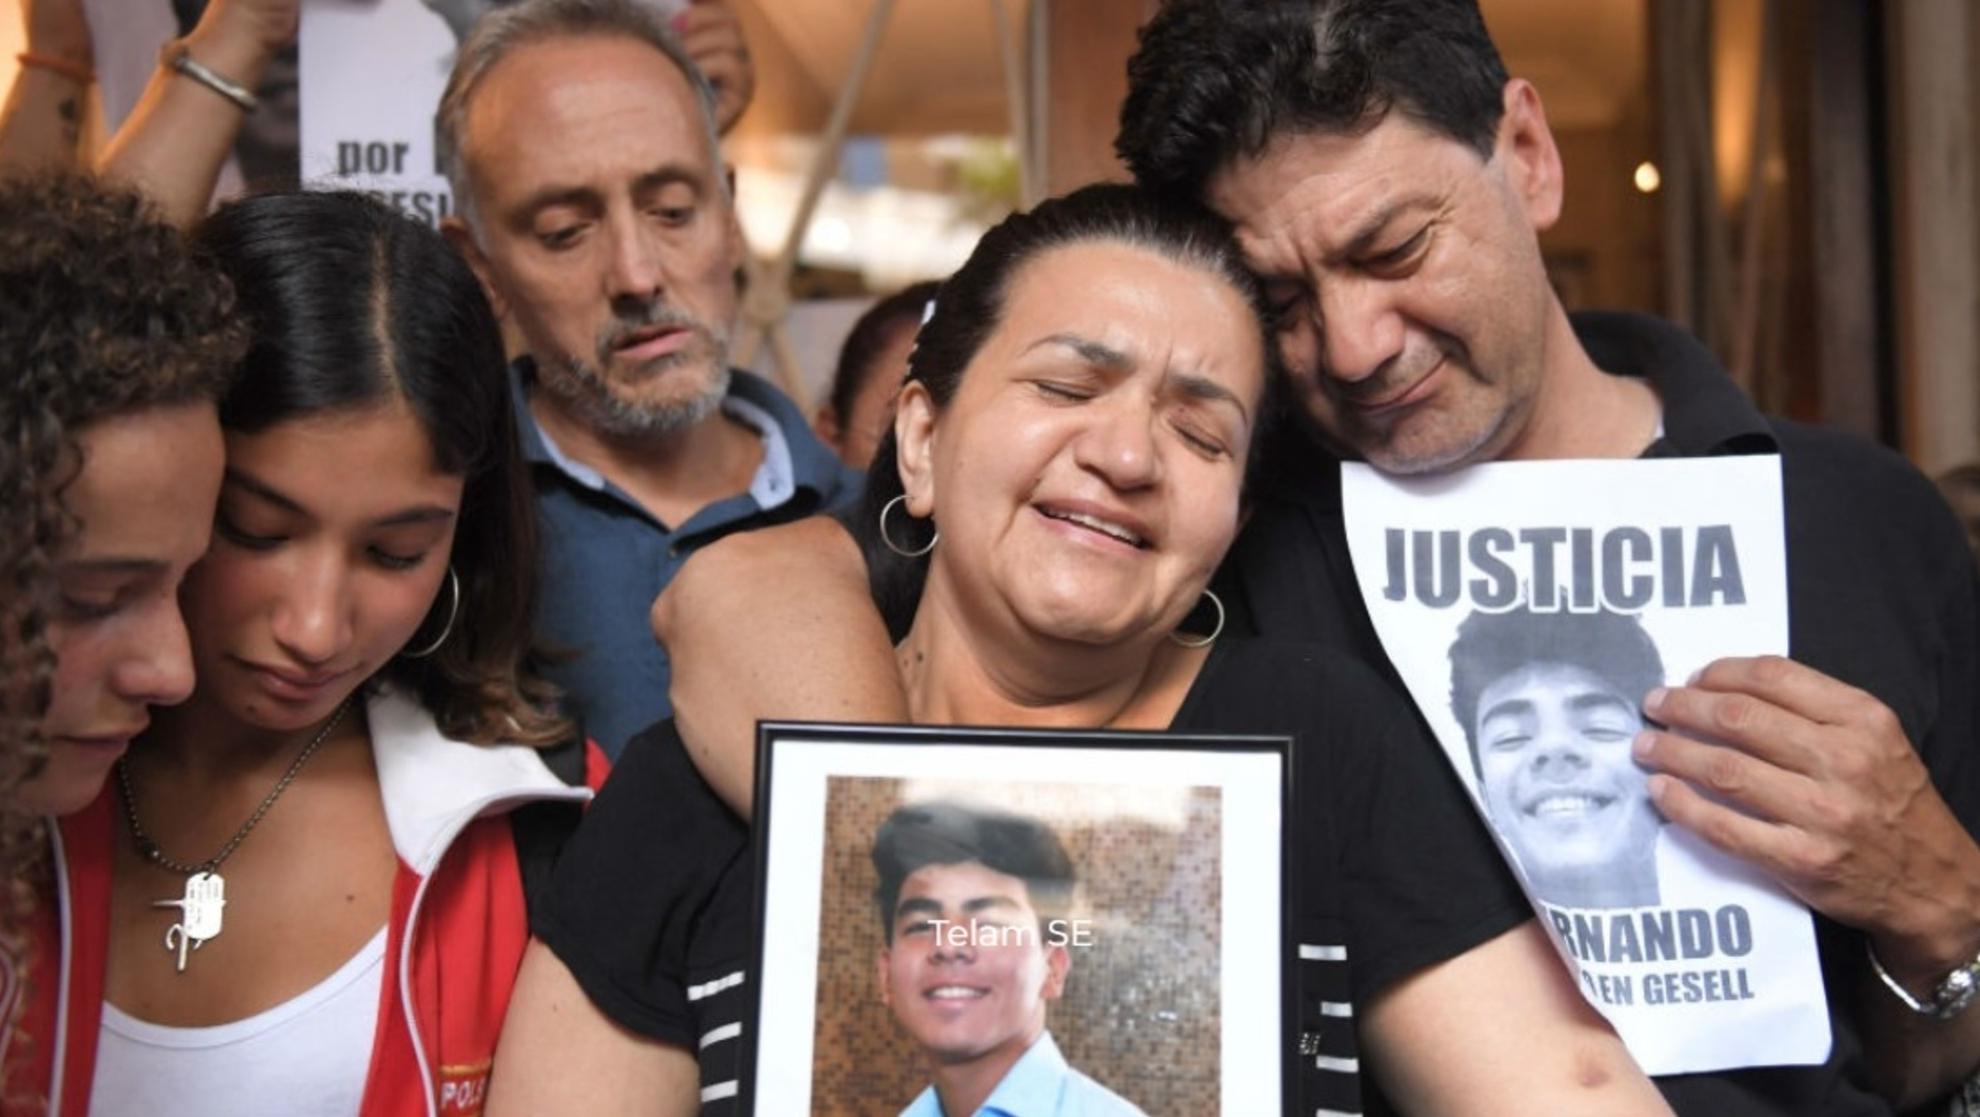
<point x="306" y="1057"/>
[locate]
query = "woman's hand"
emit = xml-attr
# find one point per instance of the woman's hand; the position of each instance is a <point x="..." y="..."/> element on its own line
<point x="713" y="37"/>
<point x="244" y="32"/>
<point x="175" y="141"/>
<point x="58" y="29"/>
<point x="41" y="126"/>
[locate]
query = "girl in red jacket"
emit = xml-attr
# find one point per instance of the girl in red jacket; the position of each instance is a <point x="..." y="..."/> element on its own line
<point x="301" y="890"/>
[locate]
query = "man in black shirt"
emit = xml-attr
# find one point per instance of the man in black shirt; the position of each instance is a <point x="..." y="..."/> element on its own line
<point x="1388" y="180"/>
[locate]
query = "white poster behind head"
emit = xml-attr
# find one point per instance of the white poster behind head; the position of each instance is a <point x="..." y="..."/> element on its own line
<point x="372" y="72"/>
<point x="1529" y="606"/>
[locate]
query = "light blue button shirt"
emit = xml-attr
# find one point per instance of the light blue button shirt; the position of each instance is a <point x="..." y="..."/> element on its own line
<point x="1040" y="1084"/>
<point x="604" y="558"/>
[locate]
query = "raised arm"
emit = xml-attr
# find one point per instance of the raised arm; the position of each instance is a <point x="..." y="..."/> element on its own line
<point x="772" y="624"/>
<point x="713" y="36"/>
<point x="178" y="137"/>
<point x="559" y="1054"/>
<point x="1500" y="1029"/>
<point x="41" y="127"/>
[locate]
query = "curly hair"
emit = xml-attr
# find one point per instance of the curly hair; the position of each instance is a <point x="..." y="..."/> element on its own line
<point x="105" y="310"/>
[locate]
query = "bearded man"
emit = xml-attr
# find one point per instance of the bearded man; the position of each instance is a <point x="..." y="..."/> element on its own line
<point x="580" y="141"/>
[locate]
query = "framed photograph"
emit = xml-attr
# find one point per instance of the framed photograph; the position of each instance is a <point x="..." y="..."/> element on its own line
<point x="952" y="917"/>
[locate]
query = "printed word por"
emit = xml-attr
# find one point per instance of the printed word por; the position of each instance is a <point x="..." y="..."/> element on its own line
<point x="371" y="158"/>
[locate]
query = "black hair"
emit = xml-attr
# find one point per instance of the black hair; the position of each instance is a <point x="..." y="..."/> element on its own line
<point x="969" y="305"/>
<point x="352" y="305"/>
<point x="1489" y="646"/>
<point x="1215" y="81"/>
<point x="1960" y="486"/>
<point x="901" y="310"/>
<point x="947" y="833"/>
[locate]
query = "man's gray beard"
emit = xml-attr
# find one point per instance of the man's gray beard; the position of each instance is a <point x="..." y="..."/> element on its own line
<point x="590" y="400"/>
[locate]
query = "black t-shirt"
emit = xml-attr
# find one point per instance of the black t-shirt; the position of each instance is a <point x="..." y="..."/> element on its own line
<point x="1881" y="594"/>
<point x="650" y="905"/>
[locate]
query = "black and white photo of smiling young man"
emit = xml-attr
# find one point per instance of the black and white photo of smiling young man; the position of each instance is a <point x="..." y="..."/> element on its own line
<point x="1549" y="703"/>
<point x="592" y="200"/>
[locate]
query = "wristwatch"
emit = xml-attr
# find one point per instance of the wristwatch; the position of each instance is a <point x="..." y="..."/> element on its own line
<point x="1950" y="997"/>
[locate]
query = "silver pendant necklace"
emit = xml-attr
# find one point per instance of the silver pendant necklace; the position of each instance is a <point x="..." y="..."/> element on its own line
<point x="206" y="890"/>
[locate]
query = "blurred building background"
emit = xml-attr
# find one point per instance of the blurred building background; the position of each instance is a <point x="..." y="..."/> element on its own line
<point x="1793" y="180"/>
<point x="1796" y="181"/>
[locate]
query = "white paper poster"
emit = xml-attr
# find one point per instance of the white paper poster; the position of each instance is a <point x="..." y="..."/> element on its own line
<point x="1529" y="606"/>
<point x="372" y="72"/>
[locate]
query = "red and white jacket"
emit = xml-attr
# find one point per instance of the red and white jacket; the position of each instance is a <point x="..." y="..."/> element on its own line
<point x="456" y="934"/>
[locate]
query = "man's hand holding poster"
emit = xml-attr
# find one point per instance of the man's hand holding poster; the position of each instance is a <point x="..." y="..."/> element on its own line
<point x="1531" y="608"/>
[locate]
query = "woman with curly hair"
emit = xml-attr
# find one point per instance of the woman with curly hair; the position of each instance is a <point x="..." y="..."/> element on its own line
<point x="115" y="338"/>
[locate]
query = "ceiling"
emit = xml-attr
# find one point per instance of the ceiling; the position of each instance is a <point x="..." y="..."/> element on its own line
<point x="938" y="68"/>
<point x="1589" y="61"/>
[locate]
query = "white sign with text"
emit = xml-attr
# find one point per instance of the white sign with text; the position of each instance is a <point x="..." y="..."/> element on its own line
<point x="1529" y="607"/>
<point x="372" y="72"/>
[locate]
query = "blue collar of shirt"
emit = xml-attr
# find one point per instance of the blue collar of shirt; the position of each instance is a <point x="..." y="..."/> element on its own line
<point x="788" y="463"/>
<point x="1031" y="1087"/>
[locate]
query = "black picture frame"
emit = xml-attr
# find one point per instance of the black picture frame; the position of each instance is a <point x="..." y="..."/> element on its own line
<point x="775" y="738"/>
